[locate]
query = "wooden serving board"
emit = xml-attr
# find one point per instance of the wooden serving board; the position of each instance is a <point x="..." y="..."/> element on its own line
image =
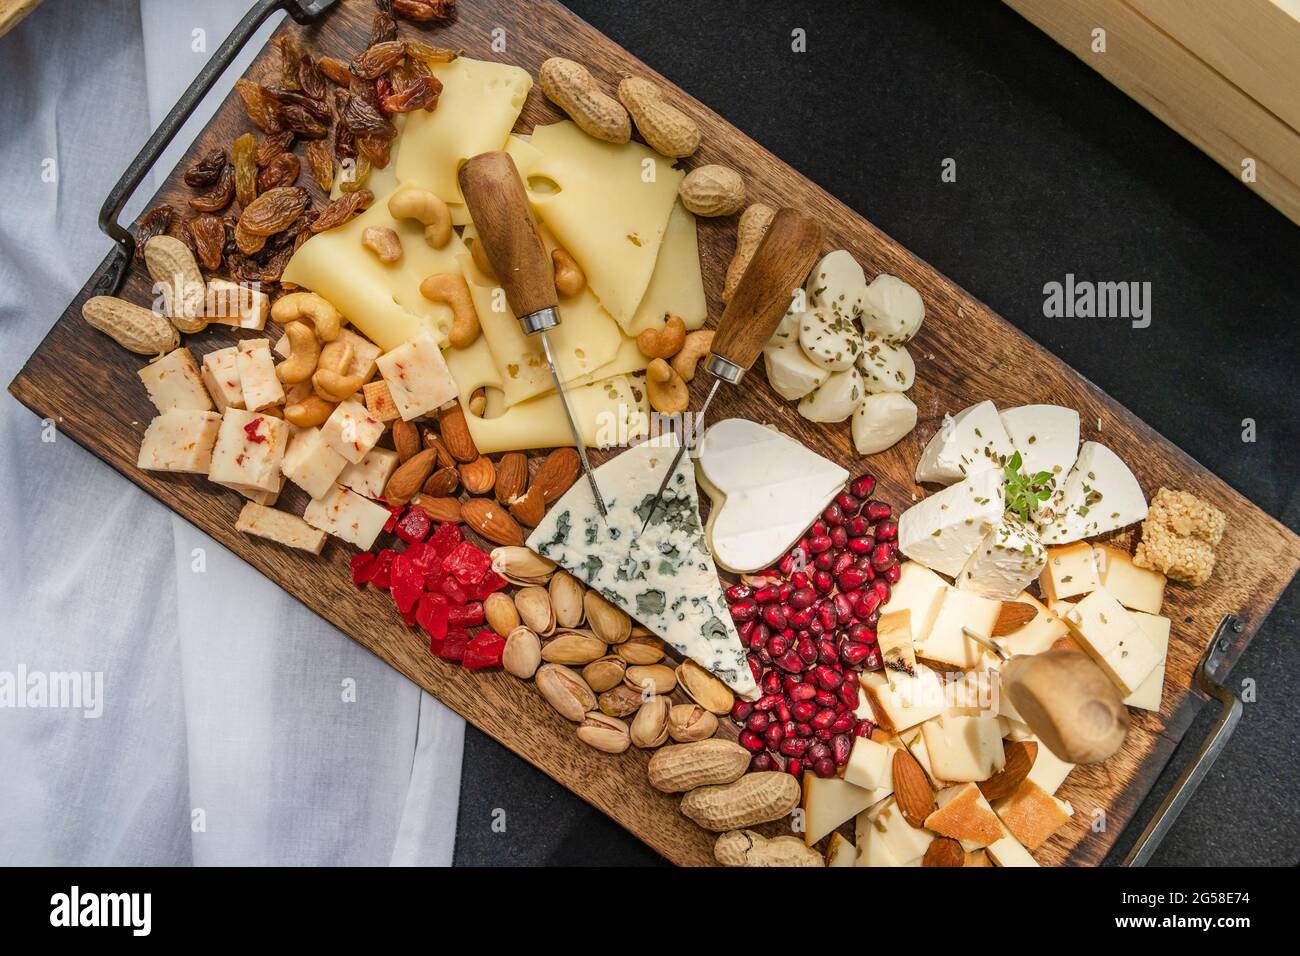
<point x="964" y="354"/>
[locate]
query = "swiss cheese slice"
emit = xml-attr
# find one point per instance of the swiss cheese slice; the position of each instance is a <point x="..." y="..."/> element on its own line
<point x="676" y="285"/>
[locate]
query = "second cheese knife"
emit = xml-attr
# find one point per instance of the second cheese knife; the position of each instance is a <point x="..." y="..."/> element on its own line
<point x="781" y="262"/>
<point x="498" y="204"/>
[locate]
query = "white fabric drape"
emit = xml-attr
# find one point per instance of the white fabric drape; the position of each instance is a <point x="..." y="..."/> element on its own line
<point x="236" y="727"/>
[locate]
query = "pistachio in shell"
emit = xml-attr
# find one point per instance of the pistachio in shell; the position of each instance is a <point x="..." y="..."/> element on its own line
<point x="567" y="599"/>
<point x="609" y="621"/>
<point x="604" y="673"/>
<point x="535" y="610"/>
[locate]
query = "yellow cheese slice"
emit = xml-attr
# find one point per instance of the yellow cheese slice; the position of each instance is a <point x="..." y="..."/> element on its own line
<point x="676" y="286"/>
<point x="608" y="412"/>
<point x="381" y="299"/>
<point x="607" y="204"/>
<point x="478" y="107"/>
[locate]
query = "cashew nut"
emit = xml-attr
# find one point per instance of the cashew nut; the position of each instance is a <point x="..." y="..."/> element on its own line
<point x="450" y="289"/>
<point x="662" y="343"/>
<point x="310" y="412"/>
<point x="569" y="277"/>
<point x="423" y="206"/>
<point x="478" y="402"/>
<point x="668" y="393"/>
<point x="304" y="350"/>
<point x="330" y="379"/>
<point x="310" y="308"/>
<point x="695" y="347"/>
<point x="383" y="242"/>
<point x="335" y="356"/>
<point x="481" y="261"/>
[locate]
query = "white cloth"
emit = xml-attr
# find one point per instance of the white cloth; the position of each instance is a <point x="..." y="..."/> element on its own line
<point x="228" y="733"/>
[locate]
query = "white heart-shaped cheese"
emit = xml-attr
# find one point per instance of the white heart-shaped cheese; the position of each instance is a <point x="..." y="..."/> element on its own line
<point x="766" y="490"/>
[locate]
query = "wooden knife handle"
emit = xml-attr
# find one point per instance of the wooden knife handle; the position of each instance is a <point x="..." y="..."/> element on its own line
<point x="498" y="204"/>
<point x="781" y="262"/>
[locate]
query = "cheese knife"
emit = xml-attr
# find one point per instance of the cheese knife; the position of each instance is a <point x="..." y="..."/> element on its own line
<point x="781" y="262"/>
<point x="498" y="204"/>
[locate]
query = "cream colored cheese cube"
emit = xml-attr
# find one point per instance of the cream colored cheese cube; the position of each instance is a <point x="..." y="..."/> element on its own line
<point x="1156" y="628"/>
<point x="1049" y="771"/>
<point x="347" y="515"/>
<point x="352" y="431"/>
<point x="257" y="495"/>
<point x="1069" y="572"/>
<point x="897" y="702"/>
<point x="1138" y="589"/>
<point x="257" y="377"/>
<point x="364" y="352"/>
<point x="1038" y="635"/>
<point x="870" y="765"/>
<point x="1111" y="637"/>
<point x="946" y="643"/>
<point x="369" y="476"/>
<point x="280" y="527"/>
<point x="894" y="638"/>
<point x="964" y="749"/>
<point x="174" y="382"/>
<point x="249" y="450"/>
<point x="237" y="304"/>
<point x="829" y="801"/>
<point x="905" y="843"/>
<point x="221" y="376"/>
<point x="310" y="463"/>
<point x="916" y="747"/>
<point x="870" y="840"/>
<point x="417" y="377"/>
<point x="1008" y="851"/>
<point x="920" y="591"/>
<point x="180" y="440"/>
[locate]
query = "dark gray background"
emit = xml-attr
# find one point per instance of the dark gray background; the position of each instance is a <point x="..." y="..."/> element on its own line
<point x="1057" y="172"/>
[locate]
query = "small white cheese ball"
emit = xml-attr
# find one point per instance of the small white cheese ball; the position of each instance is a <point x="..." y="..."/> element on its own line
<point x="885" y="367"/>
<point x="892" y="309"/>
<point x="882" y="420"/>
<point x="835" y="399"/>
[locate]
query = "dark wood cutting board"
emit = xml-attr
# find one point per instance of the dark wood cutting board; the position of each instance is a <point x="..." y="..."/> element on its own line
<point x="964" y="354"/>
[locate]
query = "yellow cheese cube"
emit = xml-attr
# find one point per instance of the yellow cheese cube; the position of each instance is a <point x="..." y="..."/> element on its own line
<point x="249" y="450"/>
<point x="905" y="843"/>
<point x="369" y="475"/>
<point x="921" y="591"/>
<point x="1108" y="633"/>
<point x="351" y="431"/>
<point x="347" y="515"/>
<point x="1032" y="815"/>
<point x="379" y="401"/>
<point x="1008" y="851"/>
<point x="1156" y="628"/>
<point x="280" y="527"/>
<point x="1138" y="589"/>
<point x="964" y="815"/>
<point x="174" y="382"/>
<point x="237" y="304"/>
<point x="417" y="377"/>
<point x="964" y="749"/>
<point x="897" y="702"/>
<point x="311" y="464"/>
<point x="894" y="637"/>
<point x="221" y="376"/>
<point x="870" y="764"/>
<point x="257" y="377"/>
<point x="1038" y="635"/>
<point x="946" y="643"/>
<point x="1049" y="771"/>
<point x="1070" y="571"/>
<point x="179" y="440"/>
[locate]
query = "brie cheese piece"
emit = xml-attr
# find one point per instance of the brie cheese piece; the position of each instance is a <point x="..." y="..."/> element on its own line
<point x="882" y="420"/>
<point x="1009" y="557"/>
<point x="944" y="530"/>
<point x="766" y="491"/>
<point x="1100" y="494"/>
<point x="1047" y="437"/>
<point x="967" y="443"/>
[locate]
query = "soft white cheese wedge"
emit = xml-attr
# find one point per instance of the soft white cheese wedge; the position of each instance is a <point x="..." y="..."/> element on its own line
<point x="766" y="490"/>
<point x="881" y="421"/>
<point x="835" y="399"/>
<point x="1099" y="495"/>
<point x="1010" y="556"/>
<point x="791" y="373"/>
<point x="944" y="530"/>
<point x="967" y="443"/>
<point x="1047" y="437"/>
<point x="892" y="309"/>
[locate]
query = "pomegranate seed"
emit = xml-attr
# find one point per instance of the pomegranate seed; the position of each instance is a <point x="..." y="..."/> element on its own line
<point x="849" y="505"/>
<point x="818" y="528"/>
<point x="868" y="603"/>
<point x="843" y="722"/>
<point x="882" y="555"/>
<point x="854" y="654"/>
<point x="862" y="486"/>
<point x="803" y="711"/>
<point x="774" y="734"/>
<point x="881" y="589"/>
<point x="777" y="646"/>
<point x="863" y="728"/>
<point x="819" y="543"/>
<point x="893" y="573"/>
<point x="795" y="768"/>
<point x="772" y="684"/>
<point x="826" y="614"/>
<point x="861" y="545"/>
<point x="800" y="619"/>
<point x="757" y="721"/>
<point x="744" y="610"/>
<point x="857" y="526"/>
<point x="823" y="719"/>
<point x="782" y="712"/>
<point x="861" y="634"/>
<point x="887" y="530"/>
<point x="774" y="617"/>
<point x="824" y="561"/>
<point x="778" y="762"/>
<point x="798" y="581"/>
<point x="741" y="709"/>
<point x="877" y="511"/>
<point x="827" y="678"/>
<point x="789" y="661"/>
<point x="843" y="608"/>
<point x="822" y="734"/>
<point x="842" y="563"/>
<point x="818" y="751"/>
<point x="839" y="537"/>
<point x="804" y="597"/>
<point x="761" y="762"/>
<point x="826" y="653"/>
<point x="802" y="693"/>
<point x="833" y="516"/>
<point x="768" y="594"/>
<point x="738" y="592"/>
<point x="824" y="698"/>
<point x="807" y="650"/>
<point x="755" y="666"/>
<point x="863" y="564"/>
<point x="767" y="702"/>
<point x="752" y="742"/>
<point x="803" y="730"/>
<point x="873" y="661"/>
<point x="823" y="581"/>
<point x="787" y="564"/>
<point x="872" y="619"/>
<point x="841" y="747"/>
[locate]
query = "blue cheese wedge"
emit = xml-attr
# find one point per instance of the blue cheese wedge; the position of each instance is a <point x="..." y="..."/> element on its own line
<point x="664" y="577"/>
<point x="967" y="443"/>
<point x="1099" y="495"/>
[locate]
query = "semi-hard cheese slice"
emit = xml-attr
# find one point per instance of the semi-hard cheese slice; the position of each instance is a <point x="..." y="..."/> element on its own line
<point x="766" y="490"/>
<point x="479" y="104"/>
<point x="676" y="286"/>
<point x="381" y="299"/>
<point x="608" y="205"/>
<point x="662" y="576"/>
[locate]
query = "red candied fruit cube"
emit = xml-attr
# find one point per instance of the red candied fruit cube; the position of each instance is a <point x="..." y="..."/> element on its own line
<point x="450" y="587"/>
<point x="491" y="583"/>
<point x="468" y="563"/>
<point x="422" y="555"/>
<point x="380" y="577"/>
<point x="363" y="565"/>
<point x="467" y="615"/>
<point x="394" y="515"/>
<point x="445" y="538"/>
<point x="414" y="526"/>
<point x="483" y="650"/>
<point x="431" y="614"/>
<point x="407" y="583"/>
<point x="452" y="647"/>
<point x="434" y="577"/>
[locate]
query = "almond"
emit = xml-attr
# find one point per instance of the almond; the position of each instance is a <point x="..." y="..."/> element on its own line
<point x="406" y="439"/>
<point x="405" y="482"/>
<point x="512" y="476"/>
<point x="560" y="469"/>
<point x="492" y="521"/>
<point x="455" y="434"/>
<point x="912" y="790"/>
<point x="1012" y="616"/>
<point x="439" y="509"/>
<point x="431" y="440"/>
<point x="478" y="476"/>
<point x="531" y="508"/>
<point x="442" y="483"/>
<point x="944" y="851"/>
<point x="1020" y="756"/>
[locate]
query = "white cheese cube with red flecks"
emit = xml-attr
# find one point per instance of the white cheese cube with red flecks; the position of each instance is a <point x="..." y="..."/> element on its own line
<point x="1113" y="639"/>
<point x="180" y="440"/>
<point x="1009" y="557"/>
<point x="174" y="382"/>
<point x="311" y="464"/>
<point x="221" y="376"/>
<point x="249" y="450"/>
<point x="352" y="431"/>
<point x="237" y="304"/>
<point x="257" y="376"/>
<point x="417" y="377"/>
<point x="257" y="495"/>
<point x="971" y="441"/>
<point x="369" y="476"/>
<point x="347" y="515"/>
<point x="944" y="530"/>
<point x="1100" y="494"/>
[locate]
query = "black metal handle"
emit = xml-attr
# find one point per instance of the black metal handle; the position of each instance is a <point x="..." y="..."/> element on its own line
<point x="302" y="11"/>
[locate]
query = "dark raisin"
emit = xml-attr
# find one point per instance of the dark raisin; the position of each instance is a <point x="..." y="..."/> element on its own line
<point x="206" y="170"/>
<point x="262" y="109"/>
<point x="362" y="112"/>
<point x="208" y="234"/>
<point x="272" y="211"/>
<point x="302" y="122"/>
<point x="281" y="171"/>
<point x="153" y="223"/>
<point x="425" y="11"/>
<point x="220" y="195"/>
<point x="375" y="61"/>
<point x="272" y="146"/>
<point x="342" y="209"/>
<point x="310" y="79"/>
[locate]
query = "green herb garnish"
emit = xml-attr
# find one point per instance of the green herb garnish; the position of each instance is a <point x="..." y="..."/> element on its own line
<point x="1024" y="492"/>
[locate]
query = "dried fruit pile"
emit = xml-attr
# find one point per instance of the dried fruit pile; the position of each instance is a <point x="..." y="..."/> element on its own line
<point x="810" y="626"/>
